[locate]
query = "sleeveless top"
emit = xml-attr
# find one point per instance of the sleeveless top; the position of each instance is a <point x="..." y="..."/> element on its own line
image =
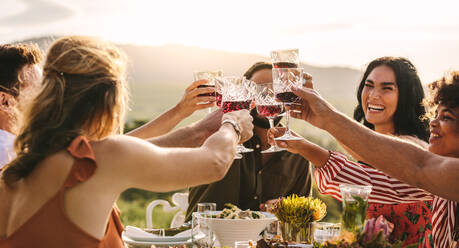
<point x="51" y="227"/>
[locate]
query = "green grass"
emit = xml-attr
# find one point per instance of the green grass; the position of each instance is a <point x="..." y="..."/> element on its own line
<point x="133" y="204"/>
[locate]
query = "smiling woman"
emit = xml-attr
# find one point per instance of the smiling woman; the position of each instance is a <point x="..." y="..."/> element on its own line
<point x="444" y="128"/>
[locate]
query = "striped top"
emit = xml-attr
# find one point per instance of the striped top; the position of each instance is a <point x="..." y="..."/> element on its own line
<point x="386" y="190"/>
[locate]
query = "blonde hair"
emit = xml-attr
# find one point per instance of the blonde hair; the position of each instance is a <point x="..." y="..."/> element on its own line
<point x="83" y="93"/>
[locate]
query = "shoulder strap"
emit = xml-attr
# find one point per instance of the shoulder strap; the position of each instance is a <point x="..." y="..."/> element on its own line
<point x="85" y="162"/>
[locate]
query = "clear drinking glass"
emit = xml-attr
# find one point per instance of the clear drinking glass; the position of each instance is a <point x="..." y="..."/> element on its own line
<point x="288" y="58"/>
<point x="355" y="203"/>
<point x="324" y="231"/>
<point x="210" y="76"/>
<point x="283" y="81"/>
<point x="237" y="94"/>
<point x="199" y="225"/>
<point x="268" y="107"/>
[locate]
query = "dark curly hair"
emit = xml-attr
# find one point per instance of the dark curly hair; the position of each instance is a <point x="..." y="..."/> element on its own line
<point x="444" y="91"/>
<point x="408" y="118"/>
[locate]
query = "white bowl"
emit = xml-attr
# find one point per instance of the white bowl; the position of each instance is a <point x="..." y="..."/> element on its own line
<point x="228" y="231"/>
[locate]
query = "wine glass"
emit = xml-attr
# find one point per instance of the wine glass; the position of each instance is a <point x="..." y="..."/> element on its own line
<point x="288" y="58"/>
<point x="210" y="76"/>
<point x="283" y="81"/>
<point x="268" y="107"/>
<point x="218" y="91"/>
<point x="237" y="95"/>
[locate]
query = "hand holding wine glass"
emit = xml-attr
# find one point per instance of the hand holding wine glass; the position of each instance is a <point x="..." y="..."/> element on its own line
<point x="237" y="94"/>
<point x="244" y="120"/>
<point x="292" y="145"/>
<point x="196" y="98"/>
<point x="311" y="107"/>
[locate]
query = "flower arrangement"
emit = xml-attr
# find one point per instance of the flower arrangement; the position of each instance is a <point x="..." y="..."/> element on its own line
<point x="299" y="210"/>
<point x="295" y="215"/>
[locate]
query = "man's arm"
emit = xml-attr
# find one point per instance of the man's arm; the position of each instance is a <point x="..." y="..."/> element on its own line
<point x="400" y="159"/>
<point x="190" y="102"/>
<point x="192" y="135"/>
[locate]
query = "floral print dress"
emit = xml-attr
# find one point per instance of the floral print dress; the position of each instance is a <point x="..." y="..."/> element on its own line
<point x="412" y="221"/>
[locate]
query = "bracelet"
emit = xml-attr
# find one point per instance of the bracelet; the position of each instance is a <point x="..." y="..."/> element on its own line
<point x="236" y="127"/>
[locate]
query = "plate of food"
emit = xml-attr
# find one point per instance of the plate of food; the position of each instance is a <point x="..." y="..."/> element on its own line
<point x="233" y="224"/>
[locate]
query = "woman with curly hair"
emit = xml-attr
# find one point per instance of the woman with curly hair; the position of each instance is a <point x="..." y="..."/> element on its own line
<point x="424" y="175"/>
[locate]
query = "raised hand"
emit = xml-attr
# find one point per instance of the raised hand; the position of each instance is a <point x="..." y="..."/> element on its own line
<point x="312" y="107"/>
<point x="244" y="120"/>
<point x="292" y="146"/>
<point x="193" y="98"/>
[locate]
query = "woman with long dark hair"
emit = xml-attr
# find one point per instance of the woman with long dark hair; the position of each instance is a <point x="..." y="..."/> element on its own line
<point x="390" y="98"/>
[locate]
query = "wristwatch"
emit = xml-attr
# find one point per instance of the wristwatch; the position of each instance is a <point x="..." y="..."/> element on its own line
<point x="236" y="127"/>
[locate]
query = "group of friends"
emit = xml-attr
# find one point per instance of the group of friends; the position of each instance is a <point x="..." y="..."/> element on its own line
<point x="66" y="160"/>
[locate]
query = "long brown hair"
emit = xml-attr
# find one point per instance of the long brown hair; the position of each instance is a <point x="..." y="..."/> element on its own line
<point x="83" y="93"/>
<point x="408" y="118"/>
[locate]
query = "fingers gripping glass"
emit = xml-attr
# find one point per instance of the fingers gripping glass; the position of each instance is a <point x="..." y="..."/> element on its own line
<point x="210" y="76"/>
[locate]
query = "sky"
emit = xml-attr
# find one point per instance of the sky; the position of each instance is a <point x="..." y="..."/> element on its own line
<point x="327" y="32"/>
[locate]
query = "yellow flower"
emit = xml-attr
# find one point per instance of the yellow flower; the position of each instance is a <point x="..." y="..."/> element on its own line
<point x="298" y="210"/>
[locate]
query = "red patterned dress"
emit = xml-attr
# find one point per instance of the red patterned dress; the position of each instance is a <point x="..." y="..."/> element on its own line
<point x="412" y="221"/>
<point x="389" y="191"/>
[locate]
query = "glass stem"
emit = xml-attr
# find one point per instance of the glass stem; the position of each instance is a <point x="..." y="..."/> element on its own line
<point x="287" y="120"/>
<point x="271" y="125"/>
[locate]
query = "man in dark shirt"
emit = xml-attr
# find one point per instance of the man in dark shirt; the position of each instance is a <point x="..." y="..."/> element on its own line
<point x="257" y="177"/>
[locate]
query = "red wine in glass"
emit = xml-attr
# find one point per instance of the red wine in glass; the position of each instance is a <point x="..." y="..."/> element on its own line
<point x="269" y="110"/>
<point x="218" y="97"/>
<point x="204" y="86"/>
<point x="285" y="65"/>
<point x="287" y="97"/>
<point x="230" y="106"/>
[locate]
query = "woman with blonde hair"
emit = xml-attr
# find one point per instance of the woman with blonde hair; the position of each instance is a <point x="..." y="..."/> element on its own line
<point x="71" y="166"/>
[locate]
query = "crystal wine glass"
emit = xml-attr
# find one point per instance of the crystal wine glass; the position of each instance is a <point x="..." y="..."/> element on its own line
<point x="268" y="107"/>
<point x="283" y="81"/>
<point x="210" y="76"/>
<point x="288" y="58"/>
<point x="236" y="95"/>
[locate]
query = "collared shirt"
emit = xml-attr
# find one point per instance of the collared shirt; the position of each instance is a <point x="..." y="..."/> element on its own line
<point x="248" y="183"/>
